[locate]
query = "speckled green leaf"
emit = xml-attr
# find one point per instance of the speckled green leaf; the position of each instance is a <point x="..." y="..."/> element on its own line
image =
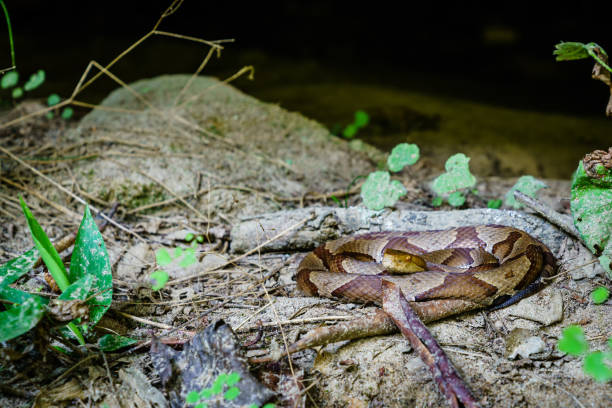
<point x="112" y="342"/>
<point x="89" y="257"/>
<point x="20" y="319"/>
<point x="379" y="191"/>
<point x="17" y="267"/>
<point x="527" y="185"/>
<point x="457" y="176"/>
<point x="78" y="290"/>
<point x="402" y="155"/>
<point x="591" y="206"/>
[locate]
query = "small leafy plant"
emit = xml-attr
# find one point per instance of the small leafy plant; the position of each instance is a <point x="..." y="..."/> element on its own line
<point x="569" y="51"/>
<point x="183" y="256"/>
<point x="361" y="120"/>
<point x="224" y="388"/>
<point x="527" y="185"/>
<point x="596" y="364"/>
<point x="379" y="191"/>
<point x="89" y="280"/>
<point x="454" y="182"/>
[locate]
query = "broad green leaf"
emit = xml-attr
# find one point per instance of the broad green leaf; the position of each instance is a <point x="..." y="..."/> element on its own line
<point x="350" y="131"/>
<point x="192" y="397"/>
<point x="47" y="251"/>
<point x="596" y="367"/>
<point x="78" y="290"/>
<point x="379" y="191"/>
<point x="600" y="295"/>
<point x="231" y="393"/>
<point x="67" y="113"/>
<point x="89" y="257"/>
<point x="15" y="295"/>
<point x="494" y="204"/>
<point x="162" y="257"/>
<point x="456" y="199"/>
<point x="527" y="185"/>
<point x="402" y="155"/>
<point x="591" y="206"/>
<point x="35" y="80"/>
<point x="361" y="118"/>
<point x="17" y="267"/>
<point x="53" y="99"/>
<point x="567" y="51"/>
<point x="457" y="176"/>
<point x="9" y="79"/>
<point x="160" y="278"/>
<point x="573" y="341"/>
<point x="112" y="342"/>
<point x="20" y="319"/>
<point x="17" y="93"/>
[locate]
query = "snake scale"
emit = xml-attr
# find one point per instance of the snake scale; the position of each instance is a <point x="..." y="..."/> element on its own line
<point x="441" y="273"/>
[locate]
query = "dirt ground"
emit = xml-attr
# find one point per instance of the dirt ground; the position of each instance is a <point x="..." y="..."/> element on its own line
<point x="213" y="161"/>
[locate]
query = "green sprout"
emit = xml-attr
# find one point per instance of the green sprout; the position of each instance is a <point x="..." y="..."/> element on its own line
<point x="402" y="155"/>
<point x="379" y="191"/>
<point x="569" y="51"/>
<point x="527" y="185"/>
<point x="224" y="388"/>
<point x="361" y="120"/>
<point x="596" y="364"/>
<point x="456" y="179"/>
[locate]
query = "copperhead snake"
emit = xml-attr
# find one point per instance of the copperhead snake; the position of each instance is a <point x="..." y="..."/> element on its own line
<point x="441" y="273"/>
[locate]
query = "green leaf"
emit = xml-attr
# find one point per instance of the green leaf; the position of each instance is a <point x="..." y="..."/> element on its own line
<point x="15" y="295"/>
<point x="217" y="386"/>
<point x="457" y="176"/>
<point x="89" y="257"/>
<point x="231" y="393"/>
<point x="527" y="185"/>
<point x="494" y="204"/>
<point x="17" y="93"/>
<point x="20" y="319"/>
<point x="189" y="237"/>
<point x="67" y="113"/>
<point x="361" y="119"/>
<point x="269" y="405"/>
<point x="206" y="393"/>
<point x="49" y="115"/>
<point x="402" y="155"/>
<point x="78" y="290"/>
<point x="350" y="131"/>
<point x="192" y="397"/>
<point x="200" y="239"/>
<point x="379" y="192"/>
<point x="189" y="258"/>
<point x="596" y="367"/>
<point x="232" y="378"/>
<point x="9" y="79"/>
<point x="53" y="99"/>
<point x="567" y="51"/>
<point x="600" y="295"/>
<point x="437" y="201"/>
<point x="17" y="267"/>
<point x="162" y="257"/>
<point x="456" y="199"/>
<point x="47" y="251"/>
<point x="112" y="342"/>
<point x="573" y="341"/>
<point x="35" y="80"/>
<point x="591" y="205"/>
<point x="336" y="200"/>
<point x="161" y="278"/>
<point x="201" y="405"/>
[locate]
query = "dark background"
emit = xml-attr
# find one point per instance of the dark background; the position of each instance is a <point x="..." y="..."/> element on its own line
<point x="502" y="56"/>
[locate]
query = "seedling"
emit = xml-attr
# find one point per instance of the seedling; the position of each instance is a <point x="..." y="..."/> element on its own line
<point x="361" y="120"/>
<point x="596" y="364"/>
<point x="527" y="185"/>
<point x="456" y="179"/>
<point x="184" y="256"/>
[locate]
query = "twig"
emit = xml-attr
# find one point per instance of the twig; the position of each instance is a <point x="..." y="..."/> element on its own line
<point x="146" y="321"/>
<point x="560" y="220"/>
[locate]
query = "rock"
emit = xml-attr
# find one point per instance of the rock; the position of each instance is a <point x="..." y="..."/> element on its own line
<point x="523" y="343"/>
<point x="545" y="307"/>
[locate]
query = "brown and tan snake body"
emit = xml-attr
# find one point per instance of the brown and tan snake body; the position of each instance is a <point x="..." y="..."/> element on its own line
<point x="440" y="273"/>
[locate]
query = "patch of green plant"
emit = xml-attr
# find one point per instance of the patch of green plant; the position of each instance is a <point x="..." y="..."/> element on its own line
<point x="224" y="388"/>
<point x="591" y="206"/>
<point x="600" y="295"/>
<point x="89" y="280"/>
<point x="494" y="204"/>
<point x="379" y="191"/>
<point x="568" y="51"/>
<point x="527" y="185"/>
<point x="183" y="256"/>
<point x="596" y="364"/>
<point x="360" y="121"/>
<point x="455" y="180"/>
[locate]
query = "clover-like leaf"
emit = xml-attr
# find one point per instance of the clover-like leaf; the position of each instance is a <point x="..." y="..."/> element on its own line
<point x="379" y="191"/>
<point x="17" y="93"/>
<point x="53" y="99"/>
<point x="36" y="80"/>
<point x="457" y="176"/>
<point x="402" y="155"/>
<point x="527" y="185"/>
<point x="456" y="199"/>
<point x="573" y="341"/>
<point x="161" y="278"/>
<point x="192" y="397"/>
<point x="9" y="79"/>
<point x="231" y="393"/>
<point x="494" y="204"/>
<point x="361" y="118"/>
<point x="600" y="295"/>
<point x="595" y="366"/>
<point x="162" y="256"/>
<point x="350" y="131"/>
<point x="67" y="113"/>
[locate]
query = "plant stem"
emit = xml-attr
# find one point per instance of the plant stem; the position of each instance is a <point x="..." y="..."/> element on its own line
<point x="10" y="32"/>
